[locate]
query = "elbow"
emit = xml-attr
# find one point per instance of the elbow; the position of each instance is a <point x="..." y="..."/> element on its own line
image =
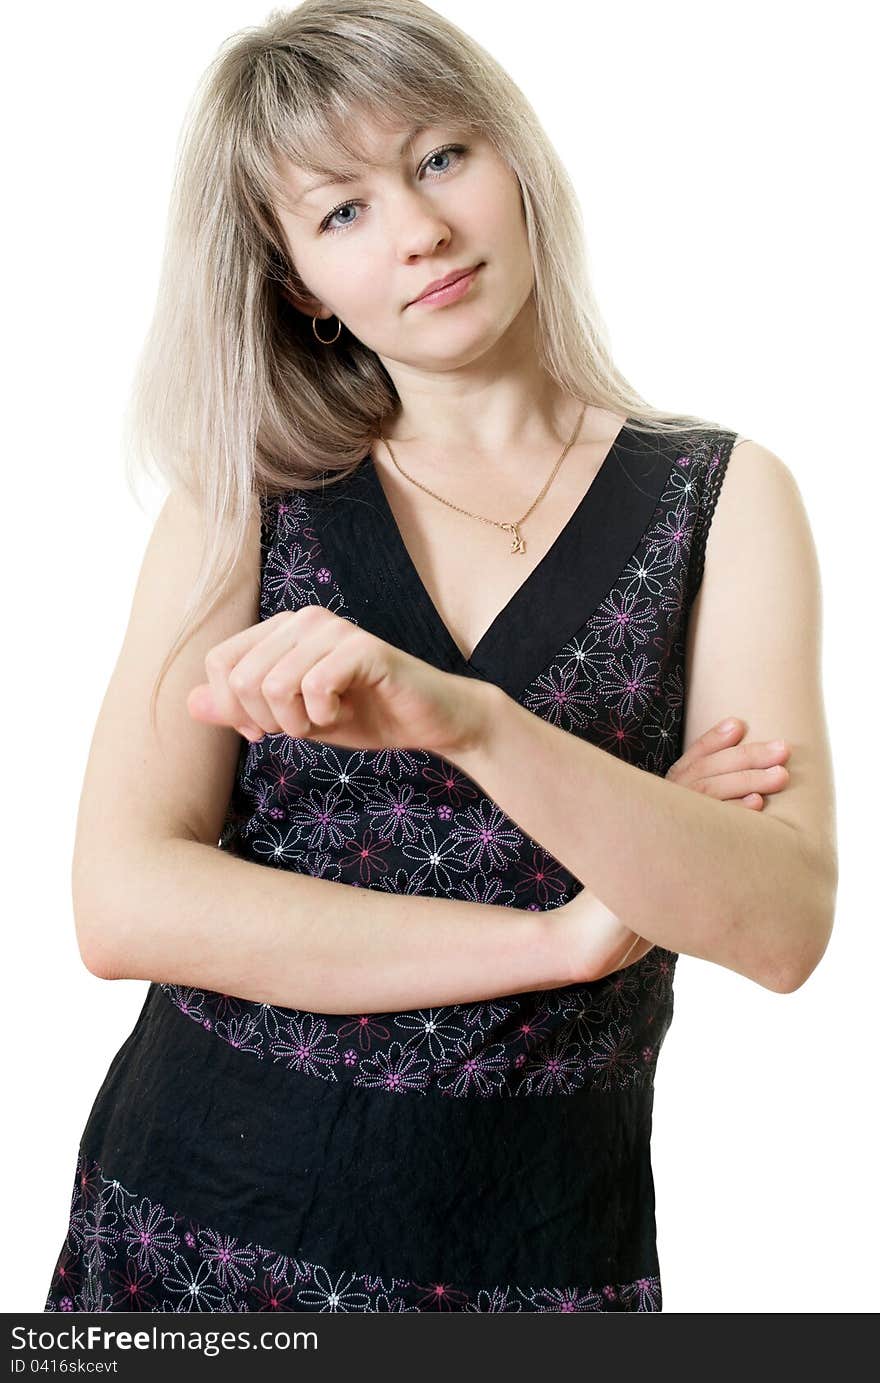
<point x="793" y="973"/>
<point x="95" y="951"/>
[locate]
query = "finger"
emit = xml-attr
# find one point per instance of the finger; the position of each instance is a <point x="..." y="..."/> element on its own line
<point x="708" y="743"/>
<point x="755" y="754"/>
<point x="725" y="786"/>
<point x="220" y="705"/>
<point x="357" y="661"/>
<point x="284" y="685"/>
<point x="286" y="645"/>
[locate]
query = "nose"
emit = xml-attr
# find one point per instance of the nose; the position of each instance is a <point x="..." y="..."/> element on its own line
<point x="418" y="226"/>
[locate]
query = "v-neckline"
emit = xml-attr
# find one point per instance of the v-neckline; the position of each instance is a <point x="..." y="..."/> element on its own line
<point x="412" y="578"/>
<point x="361" y="549"/>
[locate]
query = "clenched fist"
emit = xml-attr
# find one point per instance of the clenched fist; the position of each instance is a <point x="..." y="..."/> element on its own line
<point x="310" y="672"/>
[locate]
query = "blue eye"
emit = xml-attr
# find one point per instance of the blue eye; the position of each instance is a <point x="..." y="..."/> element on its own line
<point x="458" y="149"/>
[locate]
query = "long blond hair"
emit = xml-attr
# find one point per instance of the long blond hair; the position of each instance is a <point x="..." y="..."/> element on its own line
<point x="233" y="397"/>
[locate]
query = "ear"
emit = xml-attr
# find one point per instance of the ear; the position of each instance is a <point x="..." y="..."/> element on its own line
<point x="302" y="301"/>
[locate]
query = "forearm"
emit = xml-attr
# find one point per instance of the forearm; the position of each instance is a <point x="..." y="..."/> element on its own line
<point x="685" y="871"/>
<point x="194" y="915"/>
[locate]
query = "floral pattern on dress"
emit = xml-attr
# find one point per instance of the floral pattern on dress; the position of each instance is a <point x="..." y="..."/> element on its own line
<point x="125" y="1252"/>
<point x="407" y="821"/>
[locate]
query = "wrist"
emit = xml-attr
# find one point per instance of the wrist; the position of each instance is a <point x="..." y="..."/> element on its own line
<point x="482" y="703"/>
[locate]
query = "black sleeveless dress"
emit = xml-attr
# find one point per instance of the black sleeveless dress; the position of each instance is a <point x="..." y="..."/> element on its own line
<point x="491" y="1156"/>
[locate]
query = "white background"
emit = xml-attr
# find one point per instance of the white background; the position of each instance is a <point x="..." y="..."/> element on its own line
<point x="722" y="155"/>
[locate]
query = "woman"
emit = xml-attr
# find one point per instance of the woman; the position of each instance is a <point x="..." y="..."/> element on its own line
<point x="434" y="616"/>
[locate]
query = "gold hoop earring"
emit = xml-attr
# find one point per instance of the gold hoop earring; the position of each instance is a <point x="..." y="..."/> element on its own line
<point x="321" y="338"/>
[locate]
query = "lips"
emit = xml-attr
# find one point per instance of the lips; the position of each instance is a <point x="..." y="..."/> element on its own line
<point x="452" y="277"/>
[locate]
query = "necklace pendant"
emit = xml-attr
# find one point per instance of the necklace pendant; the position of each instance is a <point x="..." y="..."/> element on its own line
<point x="518" y="544"/>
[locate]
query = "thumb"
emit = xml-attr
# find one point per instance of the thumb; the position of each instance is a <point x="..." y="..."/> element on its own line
<point x="201" y="706"/>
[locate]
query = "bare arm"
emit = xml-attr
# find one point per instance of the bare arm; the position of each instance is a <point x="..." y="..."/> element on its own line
<point x="197" y="916"/>
<point x="754" y="893"/>
<point x="153" y="896"/>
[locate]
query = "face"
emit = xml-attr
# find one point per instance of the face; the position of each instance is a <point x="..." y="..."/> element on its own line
<point x="441" y="201"/>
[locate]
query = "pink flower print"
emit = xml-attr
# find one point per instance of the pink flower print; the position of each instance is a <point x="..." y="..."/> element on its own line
<point x="281" y="779"/>
<point x="323" y="576"/>
<point x="367" y="1029"/>
<point x="488" y="837"/>
<point x="397" y="1070"/>
<point x="616" y="737"/>
<point x="349" y="1058"/>
<point x="658" y="968"/>
<point x="89" y="1179"/>
<point x="241" y="1033"/>
<point x="67" y="1276"/>
<point x="444" y="813"/>
<point x="567" y="1299"/>
<point x="560" y="697"/>
<point x="479" y="1072"/>
<point x="626" y="619"/>
<point x="645" y="1292"/>
<point x="233" y="1263"/>
<point x="189" y="1001"/>
<point x="273" y="1296"/>
<point x="148" y="1233"/>
<point x="287" y="1271"/>
<point x="449" y="782"/>
<point x="532" y="1030"/>
<point x="131" y="1289"/>
<point x="367" y="854"/>
<point x="557" y="1069"/>
<point x="543" y="875"/>
<point x="440" y="1296"/>
<point x="632" y="682"/>
<point x="226" y="1004"/>
<point x="325" y="820"/>
<point x="327" y="1295"/>
<point x="619" y="992"/>
<point x="673" y="534"/>
<point x="65" y="1304"/>
<point x="306" y="1044"/>
<point x="398" y="812"/>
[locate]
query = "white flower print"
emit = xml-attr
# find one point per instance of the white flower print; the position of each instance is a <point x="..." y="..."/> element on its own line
<point x="432" y="1028"/>
<point x="437" y="860"/>
<point x="327" y="1294"/>
<point x="193" y="1285"/>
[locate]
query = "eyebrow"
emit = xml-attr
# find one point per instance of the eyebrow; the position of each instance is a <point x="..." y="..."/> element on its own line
<point x="345" y="179"/>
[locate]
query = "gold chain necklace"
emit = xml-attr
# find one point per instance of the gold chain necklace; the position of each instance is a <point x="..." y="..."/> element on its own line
<point x="518" y="544"/>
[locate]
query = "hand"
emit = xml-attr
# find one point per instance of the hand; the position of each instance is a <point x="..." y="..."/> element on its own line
<point x="717" y="765"/>
<point x="310" y="673"/>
